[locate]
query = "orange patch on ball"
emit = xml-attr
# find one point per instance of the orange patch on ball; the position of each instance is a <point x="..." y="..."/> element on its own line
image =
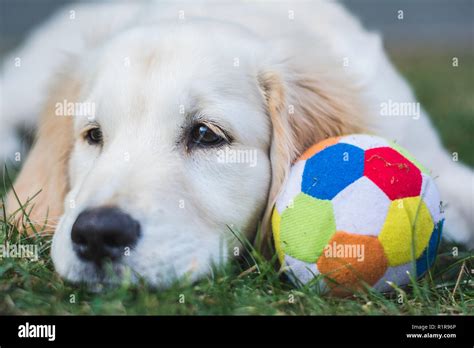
<point x="350" y="260"/>
<point x="318" y="148"/>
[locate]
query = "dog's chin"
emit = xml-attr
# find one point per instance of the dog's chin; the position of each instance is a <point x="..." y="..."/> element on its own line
<point x="97" y="277"/>
<point x="113" y="274"/>
<point x="125" y="271"/>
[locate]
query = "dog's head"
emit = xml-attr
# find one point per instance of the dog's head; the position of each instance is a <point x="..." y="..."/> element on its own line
<point x="194" y="127"/>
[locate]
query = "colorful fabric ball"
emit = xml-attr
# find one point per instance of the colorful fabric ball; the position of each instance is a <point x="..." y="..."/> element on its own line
<point x="360" y="211"/>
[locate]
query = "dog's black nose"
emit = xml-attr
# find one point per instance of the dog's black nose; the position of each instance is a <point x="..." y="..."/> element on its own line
<point x="104" y="233"/>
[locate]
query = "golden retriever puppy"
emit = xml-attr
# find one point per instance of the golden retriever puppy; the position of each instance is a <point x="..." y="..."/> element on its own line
<point x="168" y="126"/>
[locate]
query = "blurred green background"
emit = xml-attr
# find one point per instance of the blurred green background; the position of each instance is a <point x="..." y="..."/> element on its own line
<point x="447" y="94"/>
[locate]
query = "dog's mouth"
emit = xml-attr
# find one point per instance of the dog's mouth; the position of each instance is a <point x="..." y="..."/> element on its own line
<point x="105" y="274"/>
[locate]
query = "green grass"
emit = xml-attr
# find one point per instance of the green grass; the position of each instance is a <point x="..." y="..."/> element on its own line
<point x="242" y="287"/>
<point x="253" y="285"/>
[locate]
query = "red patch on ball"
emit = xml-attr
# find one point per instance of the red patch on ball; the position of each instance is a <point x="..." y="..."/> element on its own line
<point x="393" y="173"/>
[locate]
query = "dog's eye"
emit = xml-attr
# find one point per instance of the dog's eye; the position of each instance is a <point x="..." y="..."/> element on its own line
<point x="94" y="136"/>
<point x="204" y="136"/>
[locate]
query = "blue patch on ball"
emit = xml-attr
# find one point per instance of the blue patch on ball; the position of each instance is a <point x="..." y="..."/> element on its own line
<point x="330" y="171"/>
<point x="426" y="260"/>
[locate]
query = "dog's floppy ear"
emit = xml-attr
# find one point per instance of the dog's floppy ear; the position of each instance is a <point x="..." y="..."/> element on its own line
<point x="44" y="174"/>
<point x="306" y="104"/>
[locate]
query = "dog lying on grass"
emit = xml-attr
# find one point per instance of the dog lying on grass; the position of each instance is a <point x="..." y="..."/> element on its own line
<point x="136" y="104"/>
